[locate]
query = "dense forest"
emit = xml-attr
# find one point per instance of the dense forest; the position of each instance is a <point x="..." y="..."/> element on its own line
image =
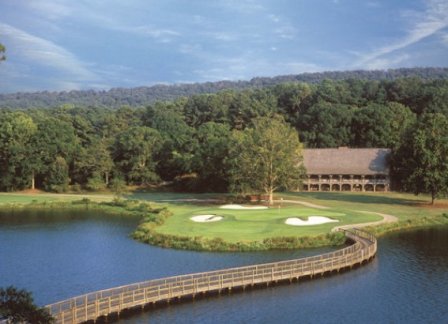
<point x="143" y="96"/>
<point x="188" y="141"/>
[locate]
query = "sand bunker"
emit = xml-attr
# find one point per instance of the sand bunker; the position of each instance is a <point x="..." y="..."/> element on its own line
<point x="312" y="220"/>
<point x="242" y="207"/>
<point x="206" y="218"/>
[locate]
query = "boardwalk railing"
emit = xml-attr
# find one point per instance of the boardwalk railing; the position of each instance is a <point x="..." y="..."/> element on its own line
<point x="114" y="300"/>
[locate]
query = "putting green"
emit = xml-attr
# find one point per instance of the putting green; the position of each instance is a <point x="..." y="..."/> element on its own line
<point x="253" y="224"/>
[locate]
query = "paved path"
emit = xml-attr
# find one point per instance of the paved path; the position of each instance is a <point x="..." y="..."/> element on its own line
<point x="386" y="219"/>
<point x="304" y="203"/>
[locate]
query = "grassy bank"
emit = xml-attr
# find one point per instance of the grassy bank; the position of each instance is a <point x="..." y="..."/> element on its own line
<point x="409" y="224"/>
<point x="239" y="230"/>
<point x="167" y="222"/>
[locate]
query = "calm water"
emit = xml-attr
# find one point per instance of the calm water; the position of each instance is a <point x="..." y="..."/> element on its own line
<point x="59" y="255"/>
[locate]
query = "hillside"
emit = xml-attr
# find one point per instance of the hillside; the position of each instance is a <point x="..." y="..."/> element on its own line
<point x="142" y="96"/>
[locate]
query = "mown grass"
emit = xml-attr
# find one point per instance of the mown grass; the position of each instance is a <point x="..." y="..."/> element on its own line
<point x="402" y="205"/>
<point x="24" y="199"/>
<point x="167" y="222"/>
<point x="21" y="199"/>
<point x="254" y="225"/>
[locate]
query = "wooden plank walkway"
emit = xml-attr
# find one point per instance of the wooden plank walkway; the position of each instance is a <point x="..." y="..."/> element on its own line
<point x="102" y="303"/>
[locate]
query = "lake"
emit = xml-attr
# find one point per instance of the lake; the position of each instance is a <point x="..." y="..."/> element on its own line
<point x="60" y="254"/>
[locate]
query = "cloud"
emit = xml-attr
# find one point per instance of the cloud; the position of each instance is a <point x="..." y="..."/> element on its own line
<point x="445" y="39"/>
<point x="389" y="62"/>
<point x="159" y="34"/>
<point x="286" y="32"/>
<point x="423" y="25"/>
<point x="274" y="18"/>
<point x="242" y="6"/>
<point x="34" y="51"/>
<point x="53" y="10"/>
<point x="248" y="65"/>
<point x="373" y="4"/>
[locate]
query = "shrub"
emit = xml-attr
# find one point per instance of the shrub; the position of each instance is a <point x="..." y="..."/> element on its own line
<point x="95" y="183"/>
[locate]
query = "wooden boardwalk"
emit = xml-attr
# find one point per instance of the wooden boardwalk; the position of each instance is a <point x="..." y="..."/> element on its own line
<point x="105" y="302"/>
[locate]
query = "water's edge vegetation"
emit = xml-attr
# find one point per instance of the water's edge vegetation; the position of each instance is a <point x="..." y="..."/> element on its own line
<point x="152" y="216"/>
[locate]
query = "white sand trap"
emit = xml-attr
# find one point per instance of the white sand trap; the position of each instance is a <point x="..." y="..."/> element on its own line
<point x="206" y="218"/>
<point x="242" y="207"/>
<point x="312" y="220"/>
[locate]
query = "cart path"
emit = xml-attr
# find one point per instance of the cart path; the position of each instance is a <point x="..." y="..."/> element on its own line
<point x="300" y="202"/>
<point x="386" y="219"/>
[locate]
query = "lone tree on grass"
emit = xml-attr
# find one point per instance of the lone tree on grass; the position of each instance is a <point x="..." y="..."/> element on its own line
<point x="421" y="160"/>
<point x="266" y="157"/>
<point x="17" y="306"/>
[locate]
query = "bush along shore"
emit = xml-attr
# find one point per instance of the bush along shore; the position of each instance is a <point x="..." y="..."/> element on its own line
<point x="152" y="216"/>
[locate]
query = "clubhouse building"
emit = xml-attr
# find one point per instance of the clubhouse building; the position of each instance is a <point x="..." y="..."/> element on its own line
<point x="346" y="169"/>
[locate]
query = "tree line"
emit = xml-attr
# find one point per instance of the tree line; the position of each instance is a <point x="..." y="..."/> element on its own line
<point x="143" y="96"/>
<point x="190" y="142"/>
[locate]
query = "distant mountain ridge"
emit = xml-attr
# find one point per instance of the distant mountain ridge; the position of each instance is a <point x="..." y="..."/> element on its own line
<point x="141" y="96"/>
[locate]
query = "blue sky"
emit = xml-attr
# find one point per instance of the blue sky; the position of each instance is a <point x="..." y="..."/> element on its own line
<point x="99" y="44"/>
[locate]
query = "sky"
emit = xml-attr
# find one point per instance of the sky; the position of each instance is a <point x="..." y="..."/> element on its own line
<point x="62" y="45"/>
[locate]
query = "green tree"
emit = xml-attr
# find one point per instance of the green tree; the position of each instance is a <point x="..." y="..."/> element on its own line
<point x="291" y="98"/>
<point x="57" y="178"/>
<point x="266" y="157"/>
<point x="380" y="125"/>
<point x="17" y="306"/>
<point x="179" y="143"/>
<point x="134" y="153"/>
<point x="2" y="50"/>
<point x="118" y="186"/>
<point x="16" y="132"/>
<point x="94" y="163"/>
<point x="249" y="104"/>
<point x="420" y="161"/>
<point x="326" y="125"/>
<point x="211" y="155"/>
<point x="53" y="139"/>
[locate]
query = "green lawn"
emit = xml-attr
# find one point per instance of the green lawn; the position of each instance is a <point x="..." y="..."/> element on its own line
<point x="24" y="199"/>
<point x="254" y="225"/>
<point x="402" y="205"/>
<point x="18" y="198"/>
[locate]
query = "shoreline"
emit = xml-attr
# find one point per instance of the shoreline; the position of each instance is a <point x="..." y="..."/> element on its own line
<point x="151" y="218"/>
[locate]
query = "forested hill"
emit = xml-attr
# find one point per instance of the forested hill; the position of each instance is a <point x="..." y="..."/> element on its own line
<point x="142" y="96"/>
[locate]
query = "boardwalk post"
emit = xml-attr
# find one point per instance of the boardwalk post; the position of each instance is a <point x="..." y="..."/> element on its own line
<point x="74" y="314"/>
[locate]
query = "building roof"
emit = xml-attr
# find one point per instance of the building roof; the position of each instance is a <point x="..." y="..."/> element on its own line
<point x="343" y="160"/>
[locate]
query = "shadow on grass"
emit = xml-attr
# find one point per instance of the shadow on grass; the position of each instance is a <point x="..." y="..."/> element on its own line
<point x="359" y="198"/>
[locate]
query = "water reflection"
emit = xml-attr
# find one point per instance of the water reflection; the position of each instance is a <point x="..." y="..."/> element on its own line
<point x="58" y="255"/>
